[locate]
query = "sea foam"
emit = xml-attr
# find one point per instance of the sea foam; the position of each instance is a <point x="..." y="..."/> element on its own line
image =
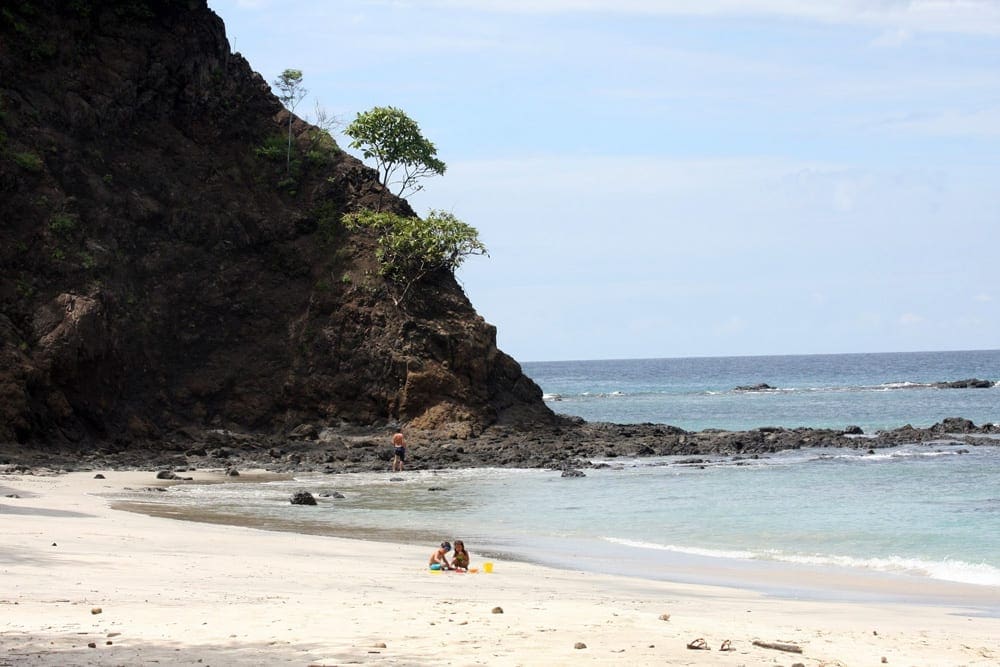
<point x="953" y="570"/>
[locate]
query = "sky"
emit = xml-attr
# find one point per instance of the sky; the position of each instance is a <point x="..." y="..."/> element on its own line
<point x="675" y="178"/>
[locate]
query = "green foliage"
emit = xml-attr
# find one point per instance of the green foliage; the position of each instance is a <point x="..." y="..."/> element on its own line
<point x="290" y="92"/>
<point x="139" y="9"/>
<point x="62" y="224"/>
<point x="289" y="184"/>
<point x="402" y="154"/>
<point x="273" y="148"/>
<point x="327" y="221"/>
<point x="83" y="8"/>
<point x="24" y="288"/>
<point x="28" y="161"/>
<point x="9" y="20"/>
<point x="409" y="248"/>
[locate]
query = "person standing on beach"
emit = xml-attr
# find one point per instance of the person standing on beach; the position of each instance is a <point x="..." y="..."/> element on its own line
<point x="398" y="452"/>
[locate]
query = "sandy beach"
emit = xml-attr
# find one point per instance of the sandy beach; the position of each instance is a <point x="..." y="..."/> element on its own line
<point x="85" y="584"/>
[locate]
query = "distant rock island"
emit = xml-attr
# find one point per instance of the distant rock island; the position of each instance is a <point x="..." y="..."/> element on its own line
<point x="971" y="383"/>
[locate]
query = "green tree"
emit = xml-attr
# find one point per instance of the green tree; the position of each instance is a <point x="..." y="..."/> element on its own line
<point x="410" y="248"/>
<point x="402" y="154"/>
<point x="290" y="92"/>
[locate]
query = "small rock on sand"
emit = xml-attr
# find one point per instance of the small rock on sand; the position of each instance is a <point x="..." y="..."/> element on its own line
<point x="664" y="617"/>
<point x="579" y="645"/>
<point x="96" y="610"/>
<point x="497" y="610"/>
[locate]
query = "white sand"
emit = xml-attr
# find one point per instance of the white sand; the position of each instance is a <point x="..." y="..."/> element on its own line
<point x="174" y="592"/>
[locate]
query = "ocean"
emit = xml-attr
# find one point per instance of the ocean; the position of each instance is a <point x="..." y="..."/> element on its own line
<point x="790" y="523"/>
<point x="873" y="391"/>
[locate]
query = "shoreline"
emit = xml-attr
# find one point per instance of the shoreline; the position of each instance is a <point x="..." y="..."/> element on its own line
<point x="772" y="578"/>
<point x="177" y="592"/>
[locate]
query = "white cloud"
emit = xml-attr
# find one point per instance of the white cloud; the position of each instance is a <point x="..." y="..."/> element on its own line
<point x="963" y="16"/>
<point x="733" y="326"/>
<point x="953" y="123"/>
<point x="983" y="297"/>
<point x="911" y="319"/>
<point x="892" y="38"/>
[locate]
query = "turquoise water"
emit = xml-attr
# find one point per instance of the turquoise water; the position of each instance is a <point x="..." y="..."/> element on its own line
<point x="926" y="513"/>
<point x="874" y="391"/>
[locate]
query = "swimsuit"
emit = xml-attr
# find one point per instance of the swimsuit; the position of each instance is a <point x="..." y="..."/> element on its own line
<point x="400" y="452"/>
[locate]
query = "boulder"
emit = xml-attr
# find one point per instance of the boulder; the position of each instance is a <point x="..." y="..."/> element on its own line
<point x="302" y="498"/>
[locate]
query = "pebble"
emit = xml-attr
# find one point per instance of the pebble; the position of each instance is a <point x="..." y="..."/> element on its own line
<point x="497" y="610"/>
<point x="579" y="645"/>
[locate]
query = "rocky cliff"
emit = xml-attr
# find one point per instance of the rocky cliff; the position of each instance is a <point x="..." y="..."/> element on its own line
<point x="162" y="269"/>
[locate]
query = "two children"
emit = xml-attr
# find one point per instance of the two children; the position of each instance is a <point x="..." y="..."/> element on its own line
<point x="439" y="559"/>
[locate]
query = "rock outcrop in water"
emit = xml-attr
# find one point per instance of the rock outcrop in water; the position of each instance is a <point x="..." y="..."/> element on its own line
<point x="567" y="445"/>
<point x="162" y="271"/>
<point x="971" y="383"/>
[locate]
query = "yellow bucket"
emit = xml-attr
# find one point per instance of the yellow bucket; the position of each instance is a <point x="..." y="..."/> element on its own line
<point x="488" y="568"/>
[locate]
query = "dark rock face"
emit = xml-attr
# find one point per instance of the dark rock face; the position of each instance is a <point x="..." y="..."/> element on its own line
<point x="971" y="383"/>
<point x="302" y="498"/>
<point x="160" y="270"/>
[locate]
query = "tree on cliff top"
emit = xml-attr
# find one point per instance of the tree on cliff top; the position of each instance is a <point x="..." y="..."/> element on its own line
<point x="290" y="92"/>
<point x="410" y="248"/>
<point x="402" y="154"/>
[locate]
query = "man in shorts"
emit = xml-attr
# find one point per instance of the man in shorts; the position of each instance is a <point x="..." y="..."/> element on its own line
<point x="398" y="452"/>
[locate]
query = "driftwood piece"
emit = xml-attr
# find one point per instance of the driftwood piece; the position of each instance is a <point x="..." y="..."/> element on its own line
<point x="777" y="646"/>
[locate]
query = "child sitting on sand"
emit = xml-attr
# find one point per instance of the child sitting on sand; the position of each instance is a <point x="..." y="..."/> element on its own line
<point x="460" y="561"/>
<point x="438" y="559"/>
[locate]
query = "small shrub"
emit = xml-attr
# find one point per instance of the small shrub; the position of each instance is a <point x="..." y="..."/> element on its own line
<point x="28" y="161"/>
<point x="62" y="224"/>
<point x="24" y="288"/>
<point x="273" y="148"/>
